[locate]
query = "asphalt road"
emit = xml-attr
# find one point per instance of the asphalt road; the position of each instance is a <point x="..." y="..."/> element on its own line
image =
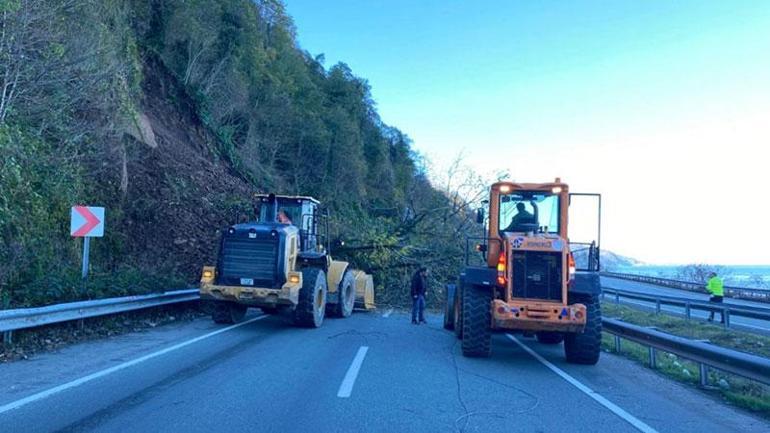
<point x="365" y="373"/>
<point x="749" y="324"/>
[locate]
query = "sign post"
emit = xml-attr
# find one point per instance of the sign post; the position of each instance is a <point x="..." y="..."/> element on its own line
<point x="86" y="222"/>
<point x="86" y="250"/>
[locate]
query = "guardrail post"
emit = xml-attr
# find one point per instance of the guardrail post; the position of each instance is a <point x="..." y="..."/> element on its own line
<point x="8" y="337"/>
<point x="653" y="358"/>
<point x="617" y="298"/>
<point x="617" y="344"/>
<point x="726" y="317"/>
<point x="687" y="310"/>
<point x="657" y="306"/>
<point x="704" y="375"/>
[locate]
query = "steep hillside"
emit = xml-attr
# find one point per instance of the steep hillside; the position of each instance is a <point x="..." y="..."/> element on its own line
<point x="172" y="114"/>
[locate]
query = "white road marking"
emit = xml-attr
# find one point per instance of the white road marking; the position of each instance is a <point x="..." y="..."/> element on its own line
<point x="346" y="388"/>
<point x="85" y="379"/>
<point x="387" y="313"/>
<point x="641" y="426"/>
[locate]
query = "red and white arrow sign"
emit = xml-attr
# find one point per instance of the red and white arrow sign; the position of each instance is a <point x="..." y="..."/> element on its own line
<point x="87" y="221"/>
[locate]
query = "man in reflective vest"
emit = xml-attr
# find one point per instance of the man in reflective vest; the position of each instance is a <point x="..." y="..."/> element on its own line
<point x="717" y="290"/>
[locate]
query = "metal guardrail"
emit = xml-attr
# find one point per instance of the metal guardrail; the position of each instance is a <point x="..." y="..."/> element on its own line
<point x="747" y="293"/>
<point x="706" y="355"/>
<point x="726" y="309"/>
<point x="23" y="318"/>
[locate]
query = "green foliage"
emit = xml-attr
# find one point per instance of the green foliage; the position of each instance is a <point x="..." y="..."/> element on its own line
<point x="37" y="186"/>
<point x="228" y="73"/>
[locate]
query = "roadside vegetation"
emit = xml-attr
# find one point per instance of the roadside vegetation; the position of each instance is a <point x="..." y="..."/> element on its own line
<point x="172" y="114"/>
<point x="736" y="390"/>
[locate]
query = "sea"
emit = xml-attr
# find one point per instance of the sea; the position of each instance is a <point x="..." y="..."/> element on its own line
<point x="753" y="276"/>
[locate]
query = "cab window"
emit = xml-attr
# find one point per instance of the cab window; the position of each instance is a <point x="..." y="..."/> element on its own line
<point x="525" y="211"/>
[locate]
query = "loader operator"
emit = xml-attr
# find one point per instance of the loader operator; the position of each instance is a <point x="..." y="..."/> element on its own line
<point x="521" y="217"/>
<point x="283" y="218"/>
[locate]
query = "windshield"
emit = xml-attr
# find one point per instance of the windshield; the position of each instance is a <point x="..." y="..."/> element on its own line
<point x="289" y="213"/>
<point x="526" y="211"/>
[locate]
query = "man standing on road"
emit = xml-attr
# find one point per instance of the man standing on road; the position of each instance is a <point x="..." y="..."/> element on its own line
<point x="716" y="288"/>
<point x="419" y="288"/>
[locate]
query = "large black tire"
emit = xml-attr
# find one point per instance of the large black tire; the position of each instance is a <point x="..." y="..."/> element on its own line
<point x="347" y="296"/>
<point x="311" y="308"/>
<point x="477" y="316"/>
<point x="584" y="348"/>
<point x="546" y="337"/>
<point x="449" y="307"/>
<point x="228" y="312"/>
<point x="458" y="312"/>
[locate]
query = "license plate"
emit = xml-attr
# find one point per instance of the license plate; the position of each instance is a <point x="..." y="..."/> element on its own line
<point x="247" y="281"/>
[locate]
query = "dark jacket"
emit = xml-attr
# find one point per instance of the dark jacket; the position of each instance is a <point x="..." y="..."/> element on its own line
<point x="419" y="285"/>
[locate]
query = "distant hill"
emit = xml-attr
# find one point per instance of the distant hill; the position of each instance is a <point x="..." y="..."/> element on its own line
<point x="611" y="261"/>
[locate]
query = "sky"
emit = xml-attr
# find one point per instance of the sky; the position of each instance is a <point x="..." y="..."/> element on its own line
<point x="663" y="107"/>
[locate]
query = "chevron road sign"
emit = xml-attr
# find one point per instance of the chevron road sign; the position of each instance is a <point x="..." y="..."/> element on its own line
<point x="87" y="221"/>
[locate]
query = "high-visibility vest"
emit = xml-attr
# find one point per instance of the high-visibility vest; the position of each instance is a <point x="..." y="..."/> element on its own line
<point x="715" y="286"/>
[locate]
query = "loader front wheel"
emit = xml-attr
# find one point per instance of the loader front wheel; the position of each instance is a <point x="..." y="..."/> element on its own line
<point x="477" y="317"/>
<point x="347" y="296"/>
<point x="584" y="348"/>
<point x="449" y="307"/>
<point x="311" y="307"/>
<point x="228" y="312"/>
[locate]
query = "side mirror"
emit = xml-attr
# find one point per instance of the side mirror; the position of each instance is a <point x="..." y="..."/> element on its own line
<point x="480" y="215"/>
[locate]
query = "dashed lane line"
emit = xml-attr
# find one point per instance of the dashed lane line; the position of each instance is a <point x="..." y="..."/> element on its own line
<point x="617" y="410"/>
<point x="346" y="388"/>
<point x="85" y="379"/>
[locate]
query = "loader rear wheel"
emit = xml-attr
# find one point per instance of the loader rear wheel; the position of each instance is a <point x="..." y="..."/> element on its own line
<point x="584" y="348"/>
<point x="477" y="316"/>
<point x="546" y="337"/>
<point x="311" y="307"/>
<point x="449" y="307"/>
<point x="458" y="315"/>
<point x="228" y="312"/>
<point x="347" y="296"/>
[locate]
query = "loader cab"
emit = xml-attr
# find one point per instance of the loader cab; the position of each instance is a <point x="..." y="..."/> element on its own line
<point x="300" y="211"/>
<point x="529" y="211"/>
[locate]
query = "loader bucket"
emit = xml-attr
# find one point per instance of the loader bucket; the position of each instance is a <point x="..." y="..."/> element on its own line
<point x="364" y="290"/>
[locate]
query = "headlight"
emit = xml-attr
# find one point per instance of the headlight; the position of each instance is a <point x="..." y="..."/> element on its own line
<point x="208" y="274"/>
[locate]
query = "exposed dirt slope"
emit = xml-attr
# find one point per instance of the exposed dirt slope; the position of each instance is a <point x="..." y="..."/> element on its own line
<point x="183" y="174"/>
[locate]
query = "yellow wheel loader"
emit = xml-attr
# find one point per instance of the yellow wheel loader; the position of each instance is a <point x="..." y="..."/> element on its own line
<point x="528" y="280"/>
<point x="280" y="263"/>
